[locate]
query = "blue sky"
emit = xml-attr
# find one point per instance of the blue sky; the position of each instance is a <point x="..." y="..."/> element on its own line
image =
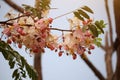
<point x="63" y="68"/>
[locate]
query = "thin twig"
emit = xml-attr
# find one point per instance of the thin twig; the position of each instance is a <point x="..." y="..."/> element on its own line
<point x="6" y="23"/>
<point x="61" y="29"/>
<point x="63" y="15"/>
<point x="17" y="17"/>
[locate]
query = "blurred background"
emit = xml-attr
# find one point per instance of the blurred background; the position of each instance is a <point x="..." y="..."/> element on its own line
<point x="64" y="68"/>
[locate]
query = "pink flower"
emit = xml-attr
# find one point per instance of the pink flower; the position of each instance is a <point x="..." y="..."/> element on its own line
<point x="80" y="49"/>
<point x="78" y="34"/>
<point x="16" y="25"/>
<point x="41" y="24"/>
<point x="50" y="20"/>
<point x="7" y="31"/>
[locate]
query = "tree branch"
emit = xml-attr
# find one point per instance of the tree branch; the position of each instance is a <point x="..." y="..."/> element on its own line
<point x="61" y="30"/>
<point x="108" y="57"/>
<point x="102" y="47"/>
<point x="37" y="65"/>
<point x="14" y="6"/>
<point x="109" y="49"/>
<point x="109" y="21"/>
<point x="117" y="23"/>
<point x="93" y="68"/>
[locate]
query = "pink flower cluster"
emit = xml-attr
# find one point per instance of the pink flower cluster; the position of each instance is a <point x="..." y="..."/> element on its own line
<point x="34" y="37"/>
<point x="77" y="42"/>
<point x="37" y="36"/>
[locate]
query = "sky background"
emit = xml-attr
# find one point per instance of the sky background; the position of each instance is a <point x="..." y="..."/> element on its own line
<point x="63" y="68"/>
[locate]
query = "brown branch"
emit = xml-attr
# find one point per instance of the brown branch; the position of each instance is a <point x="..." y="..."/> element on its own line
<point x="93" y="68"/>
<point x="4" y="23"/>
<point x="102" y="47"/>
<point x="14" y="5"/>
<point x="108" y="57"/>
<point x="116" y="44"/>
<point x="37" y="65"/>
<point x="109" y="21"/>
<point x="28" y="14"/>
<point x="9" y="23"/>
<point x="117" y="23"/>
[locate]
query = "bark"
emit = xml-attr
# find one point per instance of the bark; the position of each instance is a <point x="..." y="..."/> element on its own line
<point x="93" y="68"/>
<point x="108" y="57"/>
<point x="37" y="65"/>
<point x="14" y="6"/>
<point x="117" y="21"/>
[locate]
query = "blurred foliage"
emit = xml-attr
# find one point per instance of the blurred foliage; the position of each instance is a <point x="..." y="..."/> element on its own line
<point x="82" y="13"/>
<point x="39" y="9"/>
<point x="16" y="60"/>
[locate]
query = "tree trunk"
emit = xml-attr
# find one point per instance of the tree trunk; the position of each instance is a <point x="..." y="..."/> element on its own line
<point x="37" y="65"/>
<point x="117" y="21"/>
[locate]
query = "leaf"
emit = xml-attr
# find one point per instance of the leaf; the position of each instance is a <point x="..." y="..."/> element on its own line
<point x="4" y="54"/>
<point x="84" y="28"/>
<point x="97" y="41"/>
<point x="12" y="64"/>
<point x="101" y="22"/>
<point x="23" y="74"/>
<point x="27" y="7"/>
<point x="78" y="16"/>
<point x="93" y="30"/>
<point x="17" y="76"/>
<point x="84" y="14"/>
<point x="45" y="4"/>
<point x="22" y="61"/>
<point x="99" y="26"/>
<point x="86" y="8"/>
<point x="14" y="73"/>
<point x="10" y="55"/>
<point x="31" y="72"/>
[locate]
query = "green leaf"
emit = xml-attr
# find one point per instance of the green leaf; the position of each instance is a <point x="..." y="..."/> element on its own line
<point x="23" y="74"/>
<point x="84" y="28"/>
<point x="81" y="12"/>
<point x="97" y="41"/>
<point x="14" y="73"/>
<point x="12" y="64"/>
<point x="17" y="76"/>
<point x="27" y="7"/>
<point x="23" y="61"/>
<point x="4" y="54"/>
<point x="93" y="30"/>
<point x="98" y="44"/>
<point x="101" y="22"/>
<point x="10" y="55"/>
<point x="78" y="16"/>
<point x="31" y="72"/>
<point x="45" y="4"/>
<point x="86" y="8"/>
<point x="99" y="26"/>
